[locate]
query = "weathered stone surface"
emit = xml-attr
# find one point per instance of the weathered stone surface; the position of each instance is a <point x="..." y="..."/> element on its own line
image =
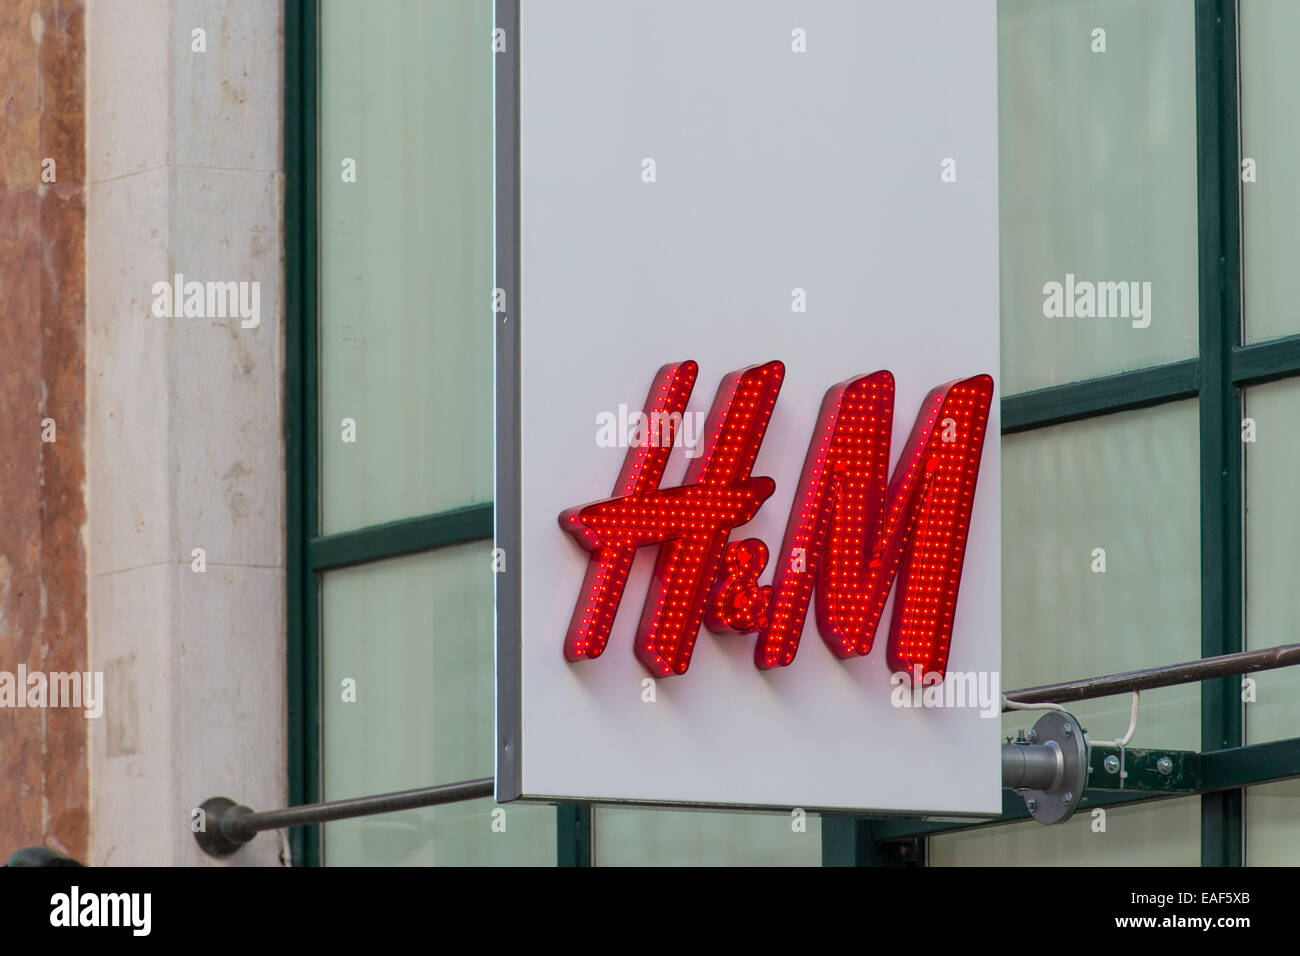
<point x="45" y="787"/>
<point x="185" y="433"/>
<point x="20" y="102"/>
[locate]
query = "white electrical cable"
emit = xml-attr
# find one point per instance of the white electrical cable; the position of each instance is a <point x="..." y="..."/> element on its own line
<point x="1132" y="726"/>
<point x="1016" y="705"/>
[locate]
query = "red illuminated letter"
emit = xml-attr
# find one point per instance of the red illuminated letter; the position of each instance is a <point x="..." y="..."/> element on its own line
<point x="849" y="534"/>
<point x="609" y="566"/>
<point x="691" y="523"/>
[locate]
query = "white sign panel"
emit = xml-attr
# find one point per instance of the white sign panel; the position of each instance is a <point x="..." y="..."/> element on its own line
<point x="807" y="191"/>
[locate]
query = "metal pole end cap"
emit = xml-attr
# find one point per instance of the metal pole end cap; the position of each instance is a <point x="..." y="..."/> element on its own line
<point x="214" y="827"/>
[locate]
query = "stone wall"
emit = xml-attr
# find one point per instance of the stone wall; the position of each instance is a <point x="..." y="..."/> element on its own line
<point x="43" y="758"/>
<point x="185" y="443"/>
<point x="158" y="158"/>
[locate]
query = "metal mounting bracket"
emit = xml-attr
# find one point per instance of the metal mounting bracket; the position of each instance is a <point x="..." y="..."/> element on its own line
<point x="1049" y="767"/>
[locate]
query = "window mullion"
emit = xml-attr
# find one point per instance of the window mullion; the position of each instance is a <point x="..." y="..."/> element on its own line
<point x="1218" y="216"/>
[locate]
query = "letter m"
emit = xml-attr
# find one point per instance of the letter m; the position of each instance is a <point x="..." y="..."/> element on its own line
<point x="222" y="299"/>
<point x="858" y="530"/>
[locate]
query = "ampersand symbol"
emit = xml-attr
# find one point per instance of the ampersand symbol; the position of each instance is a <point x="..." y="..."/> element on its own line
<point x="738" y="603"/>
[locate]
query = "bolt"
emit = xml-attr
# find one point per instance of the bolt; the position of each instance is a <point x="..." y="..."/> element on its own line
<point x="1165" y="766"/>
<point x="1033" y="736"/>
<point x="1111" y="764"/>
<point x="1069" y="797"/>
<point x="1067" y="730"/>
<point x="1031" y="804"/>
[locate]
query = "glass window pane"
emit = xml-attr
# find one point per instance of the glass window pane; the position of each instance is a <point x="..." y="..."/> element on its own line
<point x="459" y="834"/>
<point x="411" y="640"/>
<point x="1097" y="181"/>
<point x="631" y="837"/>
<point x="406" y="259"/>
<point x="1272" y="517"/>
<point x="1273" y="824"/>
<point x="1269" y="34"/>
<point x="1101" y="564"/>
<point x="1166" y="833"/>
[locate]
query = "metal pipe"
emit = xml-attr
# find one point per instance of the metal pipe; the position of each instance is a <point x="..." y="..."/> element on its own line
<point x="227" y="825"/>
<point x="1032" y="766"/>
<point x="1225" y="665"/>
<point x="251" y="822"/>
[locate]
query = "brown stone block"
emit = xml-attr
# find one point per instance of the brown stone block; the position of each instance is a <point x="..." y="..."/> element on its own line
<point x="21" y="786"/>
<point x="67" y="781"/>
<point x="63" y="89"/>
<point x="63" y="347"/>
<point x="20" y="386"/>
<point x="45" y="788"/>
<point x="20" y="93"/>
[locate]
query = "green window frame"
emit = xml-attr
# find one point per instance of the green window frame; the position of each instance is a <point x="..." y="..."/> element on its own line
<point x="1223" y="368"/>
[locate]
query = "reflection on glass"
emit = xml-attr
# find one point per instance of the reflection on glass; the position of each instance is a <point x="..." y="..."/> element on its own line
<point x="1269" y="33"/>
<point x="1167" y="833"/>
<point x="407" y="701"/>
<point x="406" y="259"/>
<point x="1097" y="187"/>
<point x="1101" y="564"/>
<point x="627" y="837"/>
<point x="1272" y="520"/>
